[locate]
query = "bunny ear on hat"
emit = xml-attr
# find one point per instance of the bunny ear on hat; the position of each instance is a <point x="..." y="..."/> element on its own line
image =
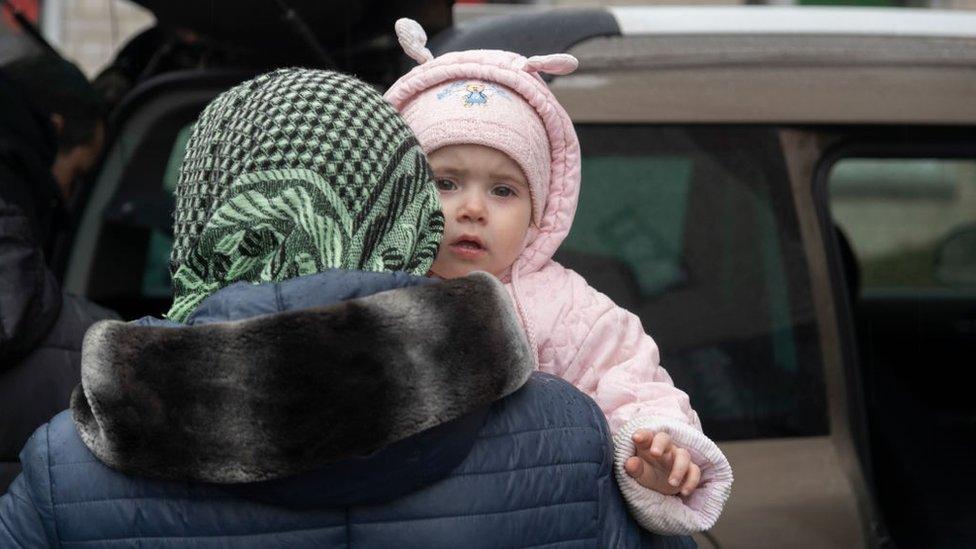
<point x="413" y="39"/>
<point x="556" y="63"/>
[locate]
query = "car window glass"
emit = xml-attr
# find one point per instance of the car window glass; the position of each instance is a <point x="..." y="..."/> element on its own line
<point x="643" y="232"/>
<point x="693" y="230"/>
<point x="911" y="222"/>
<point x="156" y="277"/>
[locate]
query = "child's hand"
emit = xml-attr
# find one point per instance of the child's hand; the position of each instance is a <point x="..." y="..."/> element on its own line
<point x="661" y="465"/>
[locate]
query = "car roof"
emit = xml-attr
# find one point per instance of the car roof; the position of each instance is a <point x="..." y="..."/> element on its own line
<point x="783" y="50"/>
<point x="764" y="20"/>
<point x="745" y="64"/>
<point x="760" y="64"/>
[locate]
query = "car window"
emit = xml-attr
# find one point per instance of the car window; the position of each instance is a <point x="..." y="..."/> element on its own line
<point x="693" y="230"/>
<point x="156" y="281"/>
<point x="909" y="218"/>
<point x="119" y="258"/>
<point x="645" y="231"/>
<point x="911" y="222"/>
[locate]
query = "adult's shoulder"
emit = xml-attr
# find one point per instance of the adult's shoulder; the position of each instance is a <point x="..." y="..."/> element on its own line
<point x="55" y="445"/>
<point x="546" y="403"/>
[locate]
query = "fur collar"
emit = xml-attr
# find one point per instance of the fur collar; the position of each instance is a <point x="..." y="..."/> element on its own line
<point x="280" y="394"/>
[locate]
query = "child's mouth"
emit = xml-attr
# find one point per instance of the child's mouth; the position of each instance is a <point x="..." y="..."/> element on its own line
<point x="468" y="248"/>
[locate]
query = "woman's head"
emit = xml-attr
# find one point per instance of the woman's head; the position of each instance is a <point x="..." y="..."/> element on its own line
<point x="293" y="173"/>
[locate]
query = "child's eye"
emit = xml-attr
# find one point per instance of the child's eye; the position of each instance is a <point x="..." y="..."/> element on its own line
<point x="503" y="191"/>
<point x="444" y="185"/>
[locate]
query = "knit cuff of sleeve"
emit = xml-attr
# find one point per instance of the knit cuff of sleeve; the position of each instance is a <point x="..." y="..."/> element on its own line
<point x="675" y="515"/>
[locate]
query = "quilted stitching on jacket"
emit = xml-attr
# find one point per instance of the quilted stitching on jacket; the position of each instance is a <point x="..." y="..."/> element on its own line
<point x="540" y="474"/>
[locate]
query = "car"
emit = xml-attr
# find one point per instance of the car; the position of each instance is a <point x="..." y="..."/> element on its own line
<point x="786" y="197"/>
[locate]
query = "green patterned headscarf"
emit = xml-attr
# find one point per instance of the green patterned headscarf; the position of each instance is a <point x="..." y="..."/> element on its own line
<point x="295" y="172"/>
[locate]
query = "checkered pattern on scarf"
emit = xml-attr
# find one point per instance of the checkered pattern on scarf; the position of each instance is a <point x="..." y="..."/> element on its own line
<point x="321" y="130"/>
<point x="328" y="122"/>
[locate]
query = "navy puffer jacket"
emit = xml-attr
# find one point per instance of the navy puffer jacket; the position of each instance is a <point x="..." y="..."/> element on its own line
<point x="531" y="469"/>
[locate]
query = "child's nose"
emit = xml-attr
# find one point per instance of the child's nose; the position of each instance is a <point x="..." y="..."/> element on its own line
<point x="472" y="207"/>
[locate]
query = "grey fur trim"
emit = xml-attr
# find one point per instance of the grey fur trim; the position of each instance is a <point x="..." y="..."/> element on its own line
<point x="281" y="394"/>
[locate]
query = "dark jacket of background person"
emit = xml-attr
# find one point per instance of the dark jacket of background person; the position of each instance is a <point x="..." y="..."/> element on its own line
<point x="30" y="213"/>
<point x="533" y="468"/>
<point x="38" y="386"/>
<point x="41" y="330"/>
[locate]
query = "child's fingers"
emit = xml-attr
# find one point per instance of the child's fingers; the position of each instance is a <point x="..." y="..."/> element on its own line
<point x="661" y="444"/>
<point x="643" y="450"/>
<point x="634" y="466"/>
<point x="642" y="438"/>
<point x="692" y="480"/>
<point x="682" y="460"/>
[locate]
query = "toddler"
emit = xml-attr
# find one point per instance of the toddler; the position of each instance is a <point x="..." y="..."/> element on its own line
<point x="507" y="164"/>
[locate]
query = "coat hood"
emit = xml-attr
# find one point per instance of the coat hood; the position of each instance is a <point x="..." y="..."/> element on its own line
<point x="269" y="381"/>
<point x="521" y="75"/>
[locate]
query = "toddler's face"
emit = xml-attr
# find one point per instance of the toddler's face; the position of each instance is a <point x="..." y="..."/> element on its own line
<point x="487" y="210"/>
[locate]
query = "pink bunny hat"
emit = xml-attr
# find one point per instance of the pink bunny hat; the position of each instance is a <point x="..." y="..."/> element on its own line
<point x="497" y="99"/>
<point x="475" y="111"/>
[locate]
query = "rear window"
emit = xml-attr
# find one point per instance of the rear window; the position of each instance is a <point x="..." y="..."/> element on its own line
<point x="693" y="230"/>
<point x="911" y="222"/>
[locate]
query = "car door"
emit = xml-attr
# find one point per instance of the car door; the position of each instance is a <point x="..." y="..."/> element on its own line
<point x="907" y="208"/>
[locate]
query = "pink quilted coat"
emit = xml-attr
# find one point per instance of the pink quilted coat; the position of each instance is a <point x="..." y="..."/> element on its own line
<point x="579" y="333"/>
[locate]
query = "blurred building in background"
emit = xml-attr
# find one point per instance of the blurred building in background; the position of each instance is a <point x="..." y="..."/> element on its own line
<point x="88" y="32"/>
<point x="91" y="31"/>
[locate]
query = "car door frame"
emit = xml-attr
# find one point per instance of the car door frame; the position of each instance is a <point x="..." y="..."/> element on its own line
<point x="836" y="144"/>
